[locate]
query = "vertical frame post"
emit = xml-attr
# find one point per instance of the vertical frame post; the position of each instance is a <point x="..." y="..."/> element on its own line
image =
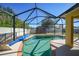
<point x="13" y="27"/>
<point x="54" y="29"/>
<point x="24" y="28"/>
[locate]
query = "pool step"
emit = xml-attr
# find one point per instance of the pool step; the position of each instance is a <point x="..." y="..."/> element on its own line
<point x="18" y="39"/>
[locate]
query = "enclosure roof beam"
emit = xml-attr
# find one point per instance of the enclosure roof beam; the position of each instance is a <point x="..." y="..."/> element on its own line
<point x="29" y="15"/>
<point x="46" y="12"/>
<point x="40" y="21"/>
<point x="39" y="16"/>
<point x="24" y="12"/>
<point x="32" y="19"/>
<point x="35" y="17"/>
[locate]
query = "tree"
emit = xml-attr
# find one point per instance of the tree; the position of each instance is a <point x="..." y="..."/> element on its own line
<point x="47" y="22"/>
<point x="40" y="30"/>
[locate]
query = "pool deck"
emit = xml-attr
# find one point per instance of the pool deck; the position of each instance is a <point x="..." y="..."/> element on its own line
<point x="60" y="49"/>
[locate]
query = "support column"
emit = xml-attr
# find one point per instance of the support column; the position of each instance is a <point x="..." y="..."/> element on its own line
<point x="69" y="31"/>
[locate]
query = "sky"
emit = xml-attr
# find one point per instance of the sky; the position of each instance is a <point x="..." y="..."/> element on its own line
<point x="53" y="8"/>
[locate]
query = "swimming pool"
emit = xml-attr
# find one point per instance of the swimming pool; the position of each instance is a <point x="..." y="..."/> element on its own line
<point x="38" y="46"/>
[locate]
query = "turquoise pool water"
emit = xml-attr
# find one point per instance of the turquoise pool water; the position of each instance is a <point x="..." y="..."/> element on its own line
<point x="38" y="46"/>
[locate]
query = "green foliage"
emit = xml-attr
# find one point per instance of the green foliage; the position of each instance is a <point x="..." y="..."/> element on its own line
<point x="19" y="24"/>
<point x="6" y="20"/>
<point x="8" y="23"/>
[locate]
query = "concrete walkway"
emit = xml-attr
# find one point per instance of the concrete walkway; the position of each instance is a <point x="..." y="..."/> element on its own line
<point x="14" y="49"/>
<point x="13" y="52"/>
<point x="55" y="44"/>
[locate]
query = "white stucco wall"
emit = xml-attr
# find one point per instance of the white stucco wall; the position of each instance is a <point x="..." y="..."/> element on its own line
<point x="9" y="30"/>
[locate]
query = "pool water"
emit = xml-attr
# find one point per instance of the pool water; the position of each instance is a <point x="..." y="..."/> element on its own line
<point x="38" y="46"/>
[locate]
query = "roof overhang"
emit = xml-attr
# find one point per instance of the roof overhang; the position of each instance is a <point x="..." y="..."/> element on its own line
<point x="74" y="13"/>
<point x="70" y="11"/>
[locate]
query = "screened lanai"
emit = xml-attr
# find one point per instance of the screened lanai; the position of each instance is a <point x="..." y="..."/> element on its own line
<point x="43" y="25"/>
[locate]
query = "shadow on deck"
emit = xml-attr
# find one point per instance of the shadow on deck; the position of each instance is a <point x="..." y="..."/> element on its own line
<point x="65" y="51"/>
